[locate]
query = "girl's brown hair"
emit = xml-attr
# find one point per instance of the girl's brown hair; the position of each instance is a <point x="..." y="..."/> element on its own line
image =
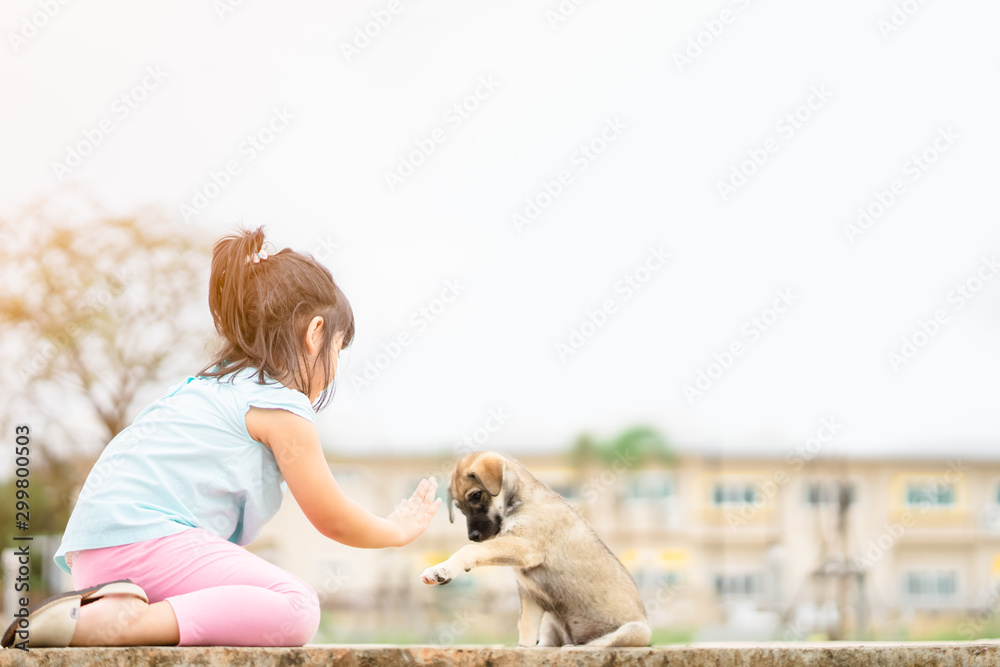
<point x="262" y="310"/>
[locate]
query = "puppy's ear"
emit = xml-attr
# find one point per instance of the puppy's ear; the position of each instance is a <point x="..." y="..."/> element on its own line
<point x="489" y="469"/>
<point x="451" y="494"/>
<point x="451" y="505"/>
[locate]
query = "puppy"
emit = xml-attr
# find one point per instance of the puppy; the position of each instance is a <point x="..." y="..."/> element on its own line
<point x="573" y="590"/>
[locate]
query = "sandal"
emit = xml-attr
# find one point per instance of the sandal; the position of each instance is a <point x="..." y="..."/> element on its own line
<point x="51" y="623"/>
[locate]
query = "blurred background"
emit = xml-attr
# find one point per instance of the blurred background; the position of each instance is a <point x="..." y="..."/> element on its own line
<point x="719" y="273"/>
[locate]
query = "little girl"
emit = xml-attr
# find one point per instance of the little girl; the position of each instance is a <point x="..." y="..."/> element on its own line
<point x="155" y="541"/>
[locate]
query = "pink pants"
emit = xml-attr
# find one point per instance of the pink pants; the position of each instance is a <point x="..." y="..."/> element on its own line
<point x="221" y="594"/>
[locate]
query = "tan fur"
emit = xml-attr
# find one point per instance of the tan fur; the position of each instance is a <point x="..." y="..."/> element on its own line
<point x="573" y="589"/>
<point x="488" y="471"/>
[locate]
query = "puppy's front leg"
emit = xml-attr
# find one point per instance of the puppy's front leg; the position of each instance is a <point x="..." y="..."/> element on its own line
<point x="530" y="619"/>
<point x="503" y="550"/>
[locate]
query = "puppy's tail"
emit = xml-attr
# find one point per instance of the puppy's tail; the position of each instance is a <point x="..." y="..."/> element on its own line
<point x="636" y="633"/>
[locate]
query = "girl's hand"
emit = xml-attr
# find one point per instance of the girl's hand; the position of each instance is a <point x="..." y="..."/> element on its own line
<point x="414" y="515"/>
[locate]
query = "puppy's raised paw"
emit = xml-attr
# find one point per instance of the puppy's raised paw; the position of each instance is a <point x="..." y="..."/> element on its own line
<point x="440" y="574"/>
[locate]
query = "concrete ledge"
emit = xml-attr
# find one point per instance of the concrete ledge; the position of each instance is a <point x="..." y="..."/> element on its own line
<point x="915" y="654"/>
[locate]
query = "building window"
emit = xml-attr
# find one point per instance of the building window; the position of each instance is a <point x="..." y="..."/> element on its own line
<point x="737" y="585"/>
<point x="935" y="494"/>
<point x="734" y="493"/>
<point x="658" y="579"/>
<point x="926" y="585"/>
<point x="649" y="486"/>
<point x="827" y="492"/>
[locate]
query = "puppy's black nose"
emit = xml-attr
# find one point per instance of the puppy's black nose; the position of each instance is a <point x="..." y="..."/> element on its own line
<point x="474" y="535"/>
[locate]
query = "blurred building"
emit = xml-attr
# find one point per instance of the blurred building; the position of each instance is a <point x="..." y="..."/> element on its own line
<point x="756" y="548"/>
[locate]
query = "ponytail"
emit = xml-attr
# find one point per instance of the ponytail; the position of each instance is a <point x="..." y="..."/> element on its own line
<point x="231" y="271"/>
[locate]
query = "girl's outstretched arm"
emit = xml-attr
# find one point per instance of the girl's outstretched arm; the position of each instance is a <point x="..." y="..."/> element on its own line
<point x="296" y="447"/>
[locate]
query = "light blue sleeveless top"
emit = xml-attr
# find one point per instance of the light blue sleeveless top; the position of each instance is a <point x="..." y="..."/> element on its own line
<point x="187" y="461"/>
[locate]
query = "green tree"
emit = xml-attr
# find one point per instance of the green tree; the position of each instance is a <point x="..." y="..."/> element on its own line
<point x="638" y="446"/>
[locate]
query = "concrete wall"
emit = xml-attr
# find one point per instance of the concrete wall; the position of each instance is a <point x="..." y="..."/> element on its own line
<point x="779" y="655"/>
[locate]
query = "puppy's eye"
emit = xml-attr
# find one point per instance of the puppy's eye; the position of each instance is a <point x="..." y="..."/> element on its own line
<point x="476" y="497"/>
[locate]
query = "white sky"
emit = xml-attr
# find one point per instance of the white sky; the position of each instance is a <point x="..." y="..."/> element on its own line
<point x="680" y="132"/>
